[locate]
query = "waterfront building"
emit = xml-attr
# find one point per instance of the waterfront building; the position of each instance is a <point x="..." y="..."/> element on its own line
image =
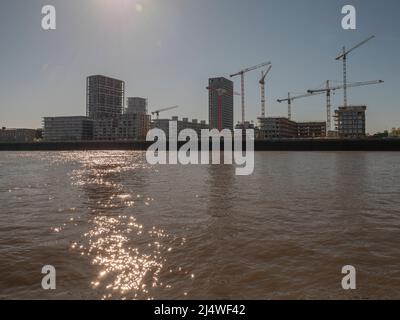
<point x="311" y="129"/>
<point x="395" y="132"/>
<point x="280" y="127"/>
<point x="220" y="105"/>
<point x="74" y="128"/>
<point x="18" y="135"/>
<point x="105" y="118"/>
<point x="277" y="127"/>
<point x="196" y="125"/>
<point x="123" y="127"/>
<point x="350" y="121"/>
<point x="105" y="97"/>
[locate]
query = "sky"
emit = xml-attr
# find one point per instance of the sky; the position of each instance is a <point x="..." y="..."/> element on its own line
<point x="165" y="50"/>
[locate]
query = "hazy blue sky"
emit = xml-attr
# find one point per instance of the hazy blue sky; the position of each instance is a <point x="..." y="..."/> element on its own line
<point x="167" y="50"/>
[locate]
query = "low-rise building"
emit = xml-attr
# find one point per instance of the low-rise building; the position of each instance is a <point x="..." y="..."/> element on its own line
<point x="17" y="135"/>
<point x="311" y="129"/>
<point x="277" y="127"/>
<point x="70" y="128"/>
<point x="196" y="125"/>
<point x="132" y="126"/>
<point x="395" y="132"/>
<point x="350" y="121"/>
<point x="283" y="128"/>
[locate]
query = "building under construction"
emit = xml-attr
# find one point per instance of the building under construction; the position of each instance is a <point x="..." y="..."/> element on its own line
<point x="283" y="128"/>
<point x="311" y="129"/>
<point x="277" y="127"/>
<point x="350" y="121"/>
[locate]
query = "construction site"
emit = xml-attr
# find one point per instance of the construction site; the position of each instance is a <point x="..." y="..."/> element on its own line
<point x="108" y="119"/>
<point x="348" y="121"/>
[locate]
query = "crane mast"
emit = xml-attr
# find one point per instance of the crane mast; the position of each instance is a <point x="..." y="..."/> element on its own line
<point x="241" y="74"/>
<point x="343" y="56"/>
<point x="262" y="83"/>
<point x="328" y="108"/>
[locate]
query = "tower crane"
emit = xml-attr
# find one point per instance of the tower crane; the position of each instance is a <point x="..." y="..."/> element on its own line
<point x="289" y="100"/>
<point x="241" y="74"/>
<point x="262" y="83"/>
<point x="157" y="112"/>
<point x="343" y="56"/>
<point x="328" y="89"/>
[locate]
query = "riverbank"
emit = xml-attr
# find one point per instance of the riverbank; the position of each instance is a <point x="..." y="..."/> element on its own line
<point x="265" y="145"/>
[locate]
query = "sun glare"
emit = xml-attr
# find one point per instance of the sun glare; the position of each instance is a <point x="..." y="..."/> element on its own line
<point x="139" y="7"/>
<point x="121" y="5"/>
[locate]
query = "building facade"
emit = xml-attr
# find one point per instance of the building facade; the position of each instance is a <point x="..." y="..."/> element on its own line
<point x="313" y="129"/>
<point x="75" y="128"/>
<point x="220" y="105"/>
<point x="105" y="97"/>
<point x="278" y="127"/>
<point x="18" y="135"/>
<point x="123" y="127"/>
<point x="351" y="121"/>
<point x="136" y="105"/>
<point x="196" y="125"/>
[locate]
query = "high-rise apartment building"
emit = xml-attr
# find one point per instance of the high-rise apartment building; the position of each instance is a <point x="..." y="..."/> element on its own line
<point x="220" y="103"/>
<point x="105" y="97"/>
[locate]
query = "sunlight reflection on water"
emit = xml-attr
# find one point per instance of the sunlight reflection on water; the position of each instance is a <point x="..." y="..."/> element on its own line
<point x="125" y="269"/>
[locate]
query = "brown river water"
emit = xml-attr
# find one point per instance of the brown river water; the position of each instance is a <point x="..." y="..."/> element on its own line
<point x="115" y="227"/>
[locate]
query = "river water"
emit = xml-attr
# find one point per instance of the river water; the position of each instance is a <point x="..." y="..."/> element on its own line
<point x="115" y="227"/>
